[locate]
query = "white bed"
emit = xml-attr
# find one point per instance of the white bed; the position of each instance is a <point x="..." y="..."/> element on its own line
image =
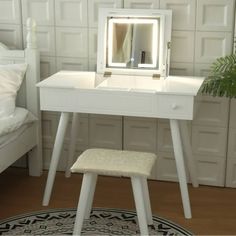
<point x="26" y="139"/>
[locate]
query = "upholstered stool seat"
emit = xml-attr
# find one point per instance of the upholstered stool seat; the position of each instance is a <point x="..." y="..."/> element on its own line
<point x="136" y="165"/>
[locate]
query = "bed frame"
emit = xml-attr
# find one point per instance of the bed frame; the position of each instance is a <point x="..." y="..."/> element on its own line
<point x="29" y="142"/>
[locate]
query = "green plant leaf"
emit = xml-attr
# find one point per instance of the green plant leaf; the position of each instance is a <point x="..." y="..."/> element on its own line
<point x="222" y="78"/>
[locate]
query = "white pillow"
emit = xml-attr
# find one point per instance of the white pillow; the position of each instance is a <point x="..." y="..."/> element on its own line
<point x="11" y="77"/>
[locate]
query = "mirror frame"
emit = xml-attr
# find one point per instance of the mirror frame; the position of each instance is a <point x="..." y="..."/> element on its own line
<point x="165" y="17"/>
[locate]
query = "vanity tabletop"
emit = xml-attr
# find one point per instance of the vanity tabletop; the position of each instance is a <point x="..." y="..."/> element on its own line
<point x="178" y="85"/>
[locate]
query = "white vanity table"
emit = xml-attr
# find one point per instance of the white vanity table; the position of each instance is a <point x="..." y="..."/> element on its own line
<point x="127" y="87"/>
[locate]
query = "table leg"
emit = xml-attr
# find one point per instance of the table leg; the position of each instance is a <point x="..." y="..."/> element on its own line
<point x="178" y="151"/>
<point x="72" y="145"/>
<point x="191" y="162"/>
<point x="61" y="130"/>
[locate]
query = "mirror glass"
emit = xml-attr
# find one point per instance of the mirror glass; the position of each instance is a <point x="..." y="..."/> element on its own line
<point x="132" y="43"/>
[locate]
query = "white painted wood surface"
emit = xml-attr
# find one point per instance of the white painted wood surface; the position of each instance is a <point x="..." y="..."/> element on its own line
<point x="11" y="24"/>
<point x="142" y="4"/>
<point x="30" y="140"/>
<point x="171" y="98"/>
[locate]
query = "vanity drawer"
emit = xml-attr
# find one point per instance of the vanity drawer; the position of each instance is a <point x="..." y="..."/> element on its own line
<point x="175" y="106"/>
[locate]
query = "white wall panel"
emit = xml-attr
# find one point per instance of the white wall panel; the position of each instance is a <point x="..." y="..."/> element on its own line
<point x="201" y="69"/>
<point x="92" y="65"/>
<point x="47" y="153"/>
<point x="184" y="13"/>
<point x="105" y="131"/>
<point x="11" y="36"/>
<point x="166" y="167"/>
<point x="211" y="111"/>
<point x="209" y="140"/>
<point x="45" y="40"/>
<point x="231" y="153"/>
<point x="10" y="12"/>
<point x="65" y="63"/>
<point x="232" y="123"/>
<point x="182" y="69"/>
<point x="210" y="45"/>
<point x="50" y="122"/>
<point x="215" y="15"/>
<point x="40" y="10"/>
<point x="232" y="143"/>
<point x="49" y="127"/>
<point x="141" y="4"/>
<point x="47" y="66"/>
<point x="182" y="46"/>
<point x="71" y="13"/>
<point x="72" y="42"/>
<point x="82" y="138"/>
<point x="140" y="134"/>
<point x="164" y="139"/>
<point x="94" y="5"/>
<point x="231" y="172"/>
<point x="211" y="170"/>
<point x="93" y="36"/>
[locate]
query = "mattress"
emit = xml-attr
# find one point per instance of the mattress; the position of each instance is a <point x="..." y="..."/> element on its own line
<point x="15" y="125"/>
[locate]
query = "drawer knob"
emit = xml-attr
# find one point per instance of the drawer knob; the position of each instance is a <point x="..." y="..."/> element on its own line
<point x="174" y="106"/>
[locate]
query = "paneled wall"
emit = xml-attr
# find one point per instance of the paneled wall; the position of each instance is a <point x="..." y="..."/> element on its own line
<point x="67" y="38"/>
<point x="231" y="153"/>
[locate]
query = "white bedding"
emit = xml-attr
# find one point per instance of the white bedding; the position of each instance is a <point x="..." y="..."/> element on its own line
<point x="15" y="125"/>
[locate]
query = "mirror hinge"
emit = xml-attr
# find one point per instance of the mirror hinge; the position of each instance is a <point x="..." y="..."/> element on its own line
<point x="107" y="74"/>
<point x="156" y="76"/>
<point x="168" y="45"/>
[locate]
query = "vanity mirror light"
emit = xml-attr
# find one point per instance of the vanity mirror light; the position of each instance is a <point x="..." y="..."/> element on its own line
<point x="134" y="42"/>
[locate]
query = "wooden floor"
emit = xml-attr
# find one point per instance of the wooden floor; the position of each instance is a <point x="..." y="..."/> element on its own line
<point x="213" y="209"/>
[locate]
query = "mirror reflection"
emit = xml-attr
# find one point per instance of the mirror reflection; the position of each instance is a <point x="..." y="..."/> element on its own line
<point x="132" y="43"/>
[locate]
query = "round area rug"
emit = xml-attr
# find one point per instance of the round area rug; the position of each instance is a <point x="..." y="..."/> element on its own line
<point x="102" y="222"/>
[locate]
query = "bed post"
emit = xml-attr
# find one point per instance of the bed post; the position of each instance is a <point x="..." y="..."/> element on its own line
<point x="32" y="96"/>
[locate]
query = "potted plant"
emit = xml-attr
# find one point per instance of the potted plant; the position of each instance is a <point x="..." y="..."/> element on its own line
<point x="222" y="78"/>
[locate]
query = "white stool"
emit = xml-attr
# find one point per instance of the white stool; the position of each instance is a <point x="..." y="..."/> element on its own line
<point x="136" y="165"/>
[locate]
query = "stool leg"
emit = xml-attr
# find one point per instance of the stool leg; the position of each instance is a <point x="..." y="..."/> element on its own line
<point x="139" y="203"/>
<point x="90" y="198"/>
<point x="87" y="182"/>
<point x="147" y="201"/>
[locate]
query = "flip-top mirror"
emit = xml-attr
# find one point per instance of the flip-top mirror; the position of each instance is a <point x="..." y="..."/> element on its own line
<point x="134" y="42"/>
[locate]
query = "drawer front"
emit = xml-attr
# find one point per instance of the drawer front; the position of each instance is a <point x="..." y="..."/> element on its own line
<point x="98" y="102"/>
<point x="175" y="107"/>
<point x="117" y="103"/>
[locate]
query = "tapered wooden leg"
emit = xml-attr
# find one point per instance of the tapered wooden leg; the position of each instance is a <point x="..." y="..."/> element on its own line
<point x="139" y="203"/>
<point x="191" y="162"/>
<point x="72" y="145"/>
<point x="55" y="156"/>
<point x="147" y="201"/>
<point x="87" y="183"/>
<point x="178" y="151"/>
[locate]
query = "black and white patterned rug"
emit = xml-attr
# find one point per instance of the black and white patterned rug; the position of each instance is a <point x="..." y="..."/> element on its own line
<point x="102" y="222"/>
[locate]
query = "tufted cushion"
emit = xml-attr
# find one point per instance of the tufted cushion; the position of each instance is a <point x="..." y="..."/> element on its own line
<point x="115" y="162"/>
